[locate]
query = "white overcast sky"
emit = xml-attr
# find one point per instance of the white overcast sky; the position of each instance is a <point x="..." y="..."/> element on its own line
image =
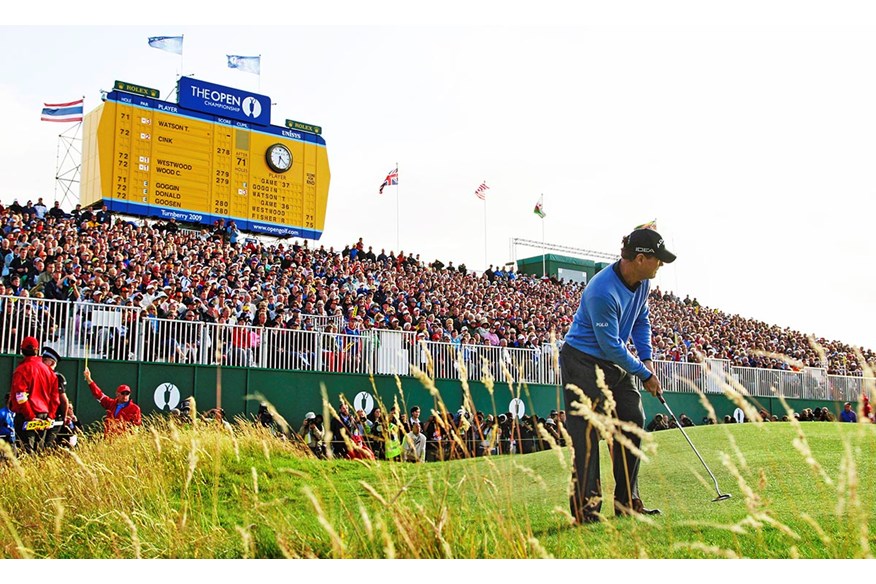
<point x="748" y="133"/>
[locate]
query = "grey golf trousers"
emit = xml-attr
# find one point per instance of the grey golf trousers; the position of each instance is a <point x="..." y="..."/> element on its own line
<point x="579" y="369"/>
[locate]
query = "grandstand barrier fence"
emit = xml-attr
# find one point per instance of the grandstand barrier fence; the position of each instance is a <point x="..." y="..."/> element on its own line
<point x="86" y="330"/>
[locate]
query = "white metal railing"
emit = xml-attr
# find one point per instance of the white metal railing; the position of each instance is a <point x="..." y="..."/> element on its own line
<point x="810" y="384"/>
<point x="125" y="333"/>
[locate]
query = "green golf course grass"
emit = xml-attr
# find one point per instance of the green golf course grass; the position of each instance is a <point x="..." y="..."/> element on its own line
<point x="201" y="492"/>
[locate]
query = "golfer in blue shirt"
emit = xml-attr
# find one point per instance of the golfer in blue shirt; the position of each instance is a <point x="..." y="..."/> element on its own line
<point x="613" y="310"/>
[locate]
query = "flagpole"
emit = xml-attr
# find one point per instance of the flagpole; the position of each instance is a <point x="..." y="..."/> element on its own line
<point x="485" y="228"/>
<point x="543" y="269"/>
<point x="397" y="248"/>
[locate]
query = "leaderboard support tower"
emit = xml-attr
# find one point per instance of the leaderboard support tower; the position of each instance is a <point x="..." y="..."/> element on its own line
<point x="214" y="155"/>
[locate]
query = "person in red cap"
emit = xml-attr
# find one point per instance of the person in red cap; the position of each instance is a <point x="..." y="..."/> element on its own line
<point x="33" y="397"/>
<point x="121" y="413"/>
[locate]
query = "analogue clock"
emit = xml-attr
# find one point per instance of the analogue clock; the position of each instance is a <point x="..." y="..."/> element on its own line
<point x="279" y="158"/>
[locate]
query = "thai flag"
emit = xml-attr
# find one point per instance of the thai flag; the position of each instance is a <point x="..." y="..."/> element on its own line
<point x="63" y="112"/>
<point x="391" y="179"/>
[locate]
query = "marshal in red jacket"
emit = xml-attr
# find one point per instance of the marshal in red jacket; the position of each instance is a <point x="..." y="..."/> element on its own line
<point x="120" y="415"/>
<point x="34" y="389"/>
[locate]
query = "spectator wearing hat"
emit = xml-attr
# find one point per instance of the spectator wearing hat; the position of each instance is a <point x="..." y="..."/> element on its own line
<point x="121" y="413"/>
<point x="658" y="423"/>
<point x="65" y="410"/>
<point x="550" y="426"/>
<point x="33" y="397"/>
<point x="848" y="414"/>
<point x="70" y="288"/>
<point x="312" y="432"/>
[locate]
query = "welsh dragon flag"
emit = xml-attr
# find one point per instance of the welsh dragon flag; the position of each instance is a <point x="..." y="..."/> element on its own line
<point x="539" y="208"/>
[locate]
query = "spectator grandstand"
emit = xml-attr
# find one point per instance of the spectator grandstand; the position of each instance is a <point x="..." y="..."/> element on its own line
<point x="153" y="290"/>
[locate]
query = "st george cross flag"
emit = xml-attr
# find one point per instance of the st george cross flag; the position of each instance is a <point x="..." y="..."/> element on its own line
<point x="479" y="192"/>
<point x="63" y="112"/>
<point x="539" y="208"/>
<point x="248" y="64"/>
<point x="391" y="179"/>
<point x="172" y="44"/>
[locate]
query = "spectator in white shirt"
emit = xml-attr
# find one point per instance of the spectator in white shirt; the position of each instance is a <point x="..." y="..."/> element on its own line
<point x="414" y="445"/>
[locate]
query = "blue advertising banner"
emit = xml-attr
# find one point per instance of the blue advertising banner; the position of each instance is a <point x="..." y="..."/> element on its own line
<point x="188" y="216"/>
<point x="229" y="102"/>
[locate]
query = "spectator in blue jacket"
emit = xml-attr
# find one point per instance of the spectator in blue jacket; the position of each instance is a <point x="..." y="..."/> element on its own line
<point x="848" y="414"/>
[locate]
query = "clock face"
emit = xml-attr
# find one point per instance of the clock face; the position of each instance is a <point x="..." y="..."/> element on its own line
<point x="279" y="158"/>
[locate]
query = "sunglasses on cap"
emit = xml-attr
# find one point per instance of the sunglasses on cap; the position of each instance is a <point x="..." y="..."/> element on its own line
<point x="124" y="393"/>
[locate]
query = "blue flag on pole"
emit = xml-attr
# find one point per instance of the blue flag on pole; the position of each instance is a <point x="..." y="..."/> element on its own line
<point x="167" y="43"/>
<point x="248" y="64"/>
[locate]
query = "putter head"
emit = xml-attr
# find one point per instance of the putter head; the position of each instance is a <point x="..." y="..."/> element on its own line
<point x="723" y="497"/>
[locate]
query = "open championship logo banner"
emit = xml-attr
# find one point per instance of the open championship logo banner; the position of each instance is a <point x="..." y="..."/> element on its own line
<point x="363" y="401"/>
<point x="225" y="102"/>
<point x="166" y="397"/>
<point x="517" y="407"/>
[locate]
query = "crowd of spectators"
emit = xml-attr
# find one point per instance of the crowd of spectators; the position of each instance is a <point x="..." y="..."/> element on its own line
<point x="683" y="330"/>
<point x="817" y="414"/>
<point x="394" y="435"/>
<point x="214" y="275"/>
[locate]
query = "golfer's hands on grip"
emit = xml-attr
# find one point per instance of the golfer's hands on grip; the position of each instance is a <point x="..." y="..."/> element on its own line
<point x="87" y="375"/>
<point x="653" y="384"/>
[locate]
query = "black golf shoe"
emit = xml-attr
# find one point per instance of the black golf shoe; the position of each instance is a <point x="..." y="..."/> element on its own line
<point x="586" y="519"/>
<point x="637" y="508"/>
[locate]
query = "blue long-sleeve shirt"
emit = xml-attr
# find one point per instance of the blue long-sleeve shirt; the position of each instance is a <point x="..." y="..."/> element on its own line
<point x="611" y="313"/>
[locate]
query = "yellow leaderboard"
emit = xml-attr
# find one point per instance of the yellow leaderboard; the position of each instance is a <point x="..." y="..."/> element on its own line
<point x="146" y="157"/>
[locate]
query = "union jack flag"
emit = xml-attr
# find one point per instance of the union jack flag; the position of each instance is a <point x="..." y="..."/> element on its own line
<point x="479" y="192"/>
<point x="391" y="179"/>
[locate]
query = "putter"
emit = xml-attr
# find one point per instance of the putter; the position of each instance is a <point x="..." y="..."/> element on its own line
<point x="721" y="496"/>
